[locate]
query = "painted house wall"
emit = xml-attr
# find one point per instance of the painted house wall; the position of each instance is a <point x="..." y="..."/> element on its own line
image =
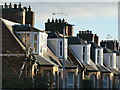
<point x="114" y="60"/>
<point x="55" y="46"/>
<point x="100" y="56"/>
<point x="118" y="61"/>
<point x="106" y="58"/>
<point x="78" y="51"/>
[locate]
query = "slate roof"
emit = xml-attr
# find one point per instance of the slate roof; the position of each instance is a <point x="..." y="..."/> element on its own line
<point x="53" y="35"/>
<point x="25" y="28"/>
<point x="48" y="58"/>
<point x="113" y="70"/>
<point x="91" y="67"/>
<point x="103" y="69"/>
<point x="72" y="57"/>
<point x="93" y="44"/>
<point x="105" y="50"/>
<point x="42" y="61"/>
<point x="118" y="53"/>
<point x="68" y="64"/>
<point x="75" y="40"/>
<point x="53" y="58"/>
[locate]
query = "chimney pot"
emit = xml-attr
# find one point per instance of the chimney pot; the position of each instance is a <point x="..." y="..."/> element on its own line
<point x="6" y="6"/>
<point x="56" y="20"/>
<point x="15" y="5"/>
<point x="10" y="6"/>
<point x="48" y="20"/>
<point x="29" y="9"/>
<point x="25" y="8"/>
<point x="59" y="20"/>
<point x="52" y="20"/>
<point x="19" y="6"/>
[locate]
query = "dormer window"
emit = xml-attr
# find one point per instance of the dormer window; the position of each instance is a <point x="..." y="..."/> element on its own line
<point x="98" y="56"/>
<point x="35" y="47"/>
<point x="35" y="37"/>
<point x="61" y="48"/>
<point x="110" y="60"/>
<point x="84" y="55"/>
<point x="35" y="43"/>
<point x="25" y="38"/>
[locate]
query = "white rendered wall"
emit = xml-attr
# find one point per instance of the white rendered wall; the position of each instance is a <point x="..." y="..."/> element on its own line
<point x="100" y="56"/>
<point x="55" y="44"/>
<point x="118" y="61"/>
<point x="106" y="57"/>
<point x="78" y="51"/>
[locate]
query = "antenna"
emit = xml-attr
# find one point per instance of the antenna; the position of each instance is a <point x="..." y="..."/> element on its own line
<point x="108" y="37"/>
<point x="53" y="14"/>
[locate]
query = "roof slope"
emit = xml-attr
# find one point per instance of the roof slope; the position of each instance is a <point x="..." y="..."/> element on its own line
<point x="93" y="44"/>
<point x="48" y="58"/>
<point x="68" y="64"/>
<point x="91" y="66"/>
<point x="7" y="34"/>
<point x="73" y="58"/>
<point x="106" y="50"/>
<point x="103" y="69"/>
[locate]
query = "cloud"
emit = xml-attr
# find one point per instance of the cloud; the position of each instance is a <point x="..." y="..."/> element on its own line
<point x="61" y="0"/>
<point x="75" y="11"/>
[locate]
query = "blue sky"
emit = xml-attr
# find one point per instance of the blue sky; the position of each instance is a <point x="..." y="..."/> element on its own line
<point x="100" y="17"/>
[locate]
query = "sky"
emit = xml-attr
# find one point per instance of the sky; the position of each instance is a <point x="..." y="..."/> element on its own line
<point x="100" y="17"/>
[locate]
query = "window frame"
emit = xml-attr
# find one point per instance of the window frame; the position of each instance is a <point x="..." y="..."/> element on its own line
<point x="111" y="60"/>
<point x="69" y="84"/>
<point x="105" y="82"/>
<point x="84" y="54"/>
<point x="61" y="48"/>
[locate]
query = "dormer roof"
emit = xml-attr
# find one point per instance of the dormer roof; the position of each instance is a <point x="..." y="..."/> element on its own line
<point x="20" y="28"/>
<point x="106" y="50"/>
<point x="75" y="40"/>
<point x="94" y="45"/>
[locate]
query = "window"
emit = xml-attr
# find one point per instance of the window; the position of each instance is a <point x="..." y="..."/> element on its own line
<point x="61" y="48"/>
<point x="98" y="56"/>
<point x="35" y="47"/>
<point x="78" y="80"/>
<point x="19" y="36"/>
<point x="35" y="43"/>
<point x="28" y="40"/>
<point x="105" y="82"/>
<point x="41" y="49"/>
<point x="110" y="60"/>
<point x="47" y="75"/>
<point x="25" y="38"/>
<point x="70" y="80"/>
<point x="93" y="77"/>
<point x="35" y="37"/>
<point x="84" y="54"/>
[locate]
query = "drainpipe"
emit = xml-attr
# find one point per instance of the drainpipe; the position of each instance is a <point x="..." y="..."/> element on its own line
<point x="64" y="57"/>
